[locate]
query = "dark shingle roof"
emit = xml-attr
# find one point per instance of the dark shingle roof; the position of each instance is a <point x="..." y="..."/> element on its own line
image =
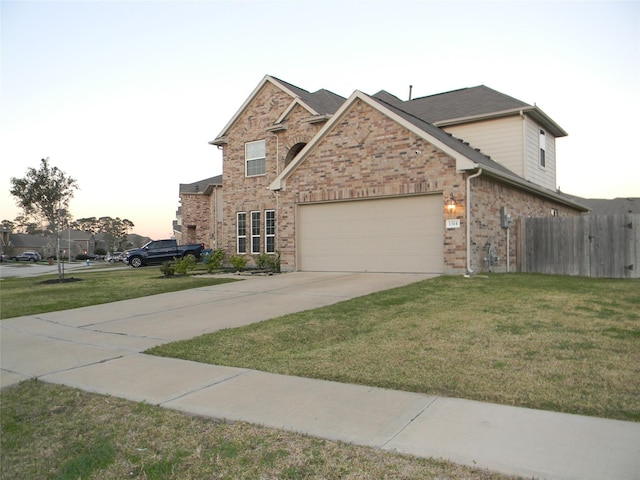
<point x="603" y="206"/>
<point x="27" y="240"/>
<point x="201" y="185"/>
<point x="466" y="102"/>
<point x="483" y="161"/>
<point x="323" y="101"/>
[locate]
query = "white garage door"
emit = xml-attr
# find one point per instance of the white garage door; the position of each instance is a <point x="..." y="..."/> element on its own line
<point x="401" y="234"/>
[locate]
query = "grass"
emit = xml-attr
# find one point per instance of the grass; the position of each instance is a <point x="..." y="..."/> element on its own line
<point x="55" y="432"/>
<point x="557" y="343"/>
<point x="29" y="295"/>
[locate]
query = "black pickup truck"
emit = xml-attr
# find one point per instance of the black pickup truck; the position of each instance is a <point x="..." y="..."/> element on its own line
<point x="158" y="251"/>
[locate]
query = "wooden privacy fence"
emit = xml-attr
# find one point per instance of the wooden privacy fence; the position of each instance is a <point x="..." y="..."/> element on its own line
<point x="604" y="246"/>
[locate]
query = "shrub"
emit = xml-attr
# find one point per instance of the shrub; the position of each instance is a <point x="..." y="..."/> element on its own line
<point x="168" y="269"/>
<point x="274" y="262"/>
<point x="184" y="265"/>
<point x="269" y="262"/>
<point x="238" y="262"/>
<point x="262" y="261"/>
<point x="213" y="261"/>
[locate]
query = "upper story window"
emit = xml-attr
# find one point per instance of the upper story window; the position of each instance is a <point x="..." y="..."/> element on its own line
<point x="254" y="158"/>
<point x="543" y="149"/>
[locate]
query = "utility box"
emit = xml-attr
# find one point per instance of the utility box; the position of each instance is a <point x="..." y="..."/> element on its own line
<point x="505" y="218"/>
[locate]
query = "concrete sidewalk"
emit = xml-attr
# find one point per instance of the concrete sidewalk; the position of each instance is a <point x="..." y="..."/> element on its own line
<point x="98" y="349"/>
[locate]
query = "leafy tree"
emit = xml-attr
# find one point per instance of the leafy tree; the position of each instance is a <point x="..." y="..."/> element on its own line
<point x="8" y="225"/>
<point x="115" y="230"/>
<point x="89" y="224"/>
<point x="45" y="194"/>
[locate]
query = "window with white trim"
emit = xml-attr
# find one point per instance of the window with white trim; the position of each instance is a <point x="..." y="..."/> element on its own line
<point x="255" y="232"/>
<point x="543" y="148"/>
<point x="242" y="232"/>
<point x="270" y="231"/>
<point x="254" y="158"/>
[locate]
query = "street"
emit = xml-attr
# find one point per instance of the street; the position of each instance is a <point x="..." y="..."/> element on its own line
<point x="16" y="269"/>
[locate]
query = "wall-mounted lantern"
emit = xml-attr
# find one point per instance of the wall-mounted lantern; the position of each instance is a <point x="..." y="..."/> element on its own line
<point x="450" y="204"/>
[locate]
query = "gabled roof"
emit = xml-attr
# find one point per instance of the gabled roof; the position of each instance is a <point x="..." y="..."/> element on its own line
<point x="321" y="104"/>
<point x="27" y="240"/>
<point x="470" y="104"/>
<point x="467" y="158"/>
<point x="615" y="206"/>
<point x="202" y="186"/>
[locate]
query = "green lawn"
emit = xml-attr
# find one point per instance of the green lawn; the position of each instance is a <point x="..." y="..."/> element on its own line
<point x="558" y="343"/>
<point x="54" y="432"/>
<point x="30" y="295"/>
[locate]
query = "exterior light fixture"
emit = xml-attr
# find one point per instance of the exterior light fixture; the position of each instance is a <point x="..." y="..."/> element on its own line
<point x="451" y="204"/>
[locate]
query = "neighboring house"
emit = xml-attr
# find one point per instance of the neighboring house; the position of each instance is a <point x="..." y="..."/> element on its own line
<point x="78" y="242"/>
<point x="374" y="183"/>
<point x="200" y="212"/>
<point x="132" y="240"/>
<point x="177" y="226"/>
<point x="24" y="242"/>
<point x="614" y="206"/>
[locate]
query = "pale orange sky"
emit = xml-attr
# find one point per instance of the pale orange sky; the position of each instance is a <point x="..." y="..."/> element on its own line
<point x="124" y="96"/>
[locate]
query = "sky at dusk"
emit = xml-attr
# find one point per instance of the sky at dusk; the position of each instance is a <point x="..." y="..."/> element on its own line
<point x="124" y="96"/>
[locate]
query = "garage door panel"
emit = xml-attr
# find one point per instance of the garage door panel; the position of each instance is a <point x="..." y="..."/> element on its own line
<point x="384" y="235"/>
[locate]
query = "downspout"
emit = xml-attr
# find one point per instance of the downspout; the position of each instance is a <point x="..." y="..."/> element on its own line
<point x="468" y="200"/>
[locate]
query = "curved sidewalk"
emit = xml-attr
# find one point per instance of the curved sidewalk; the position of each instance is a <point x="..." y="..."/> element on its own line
<point x="98" y="349"/>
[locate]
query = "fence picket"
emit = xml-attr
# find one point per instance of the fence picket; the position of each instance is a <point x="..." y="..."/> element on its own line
<point x="605" y="246"/>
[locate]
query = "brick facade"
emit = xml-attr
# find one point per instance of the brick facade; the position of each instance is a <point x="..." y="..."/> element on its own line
<point x="196" y="218"/>
<point x="364" y="153"/>
<point x="248" y="194"/>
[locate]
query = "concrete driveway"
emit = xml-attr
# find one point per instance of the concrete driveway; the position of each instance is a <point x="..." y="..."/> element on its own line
<point x="97" y="349"/>
<point x="42" y="344"/>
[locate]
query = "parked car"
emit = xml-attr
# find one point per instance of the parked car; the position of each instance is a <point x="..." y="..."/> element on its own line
<point x="113" y="257"/>
<point x="159" y="251"/>
<point x="28" y="257"/>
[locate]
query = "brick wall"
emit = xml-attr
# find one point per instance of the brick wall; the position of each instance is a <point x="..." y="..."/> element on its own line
<point x="487" y="196"/>
<point x="196" y="218"/>
<point x="367" y="155"/>
<point x="247" y="194"/>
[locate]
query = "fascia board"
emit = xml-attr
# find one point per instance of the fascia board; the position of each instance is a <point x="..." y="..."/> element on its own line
<point x="462" y="162"/>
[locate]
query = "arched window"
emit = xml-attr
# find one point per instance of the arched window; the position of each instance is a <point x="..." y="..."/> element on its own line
<point x="293" y="151"/>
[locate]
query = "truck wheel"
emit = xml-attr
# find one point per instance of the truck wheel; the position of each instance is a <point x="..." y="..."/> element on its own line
<point x="135" y="262"/>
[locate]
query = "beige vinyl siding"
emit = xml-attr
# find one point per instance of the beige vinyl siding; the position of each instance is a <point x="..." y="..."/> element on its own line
<point x="501" y="139"/>
<point x="545" y="177"/>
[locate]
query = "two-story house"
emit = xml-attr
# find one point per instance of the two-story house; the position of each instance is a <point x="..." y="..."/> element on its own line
<point x="374" y="183"/>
